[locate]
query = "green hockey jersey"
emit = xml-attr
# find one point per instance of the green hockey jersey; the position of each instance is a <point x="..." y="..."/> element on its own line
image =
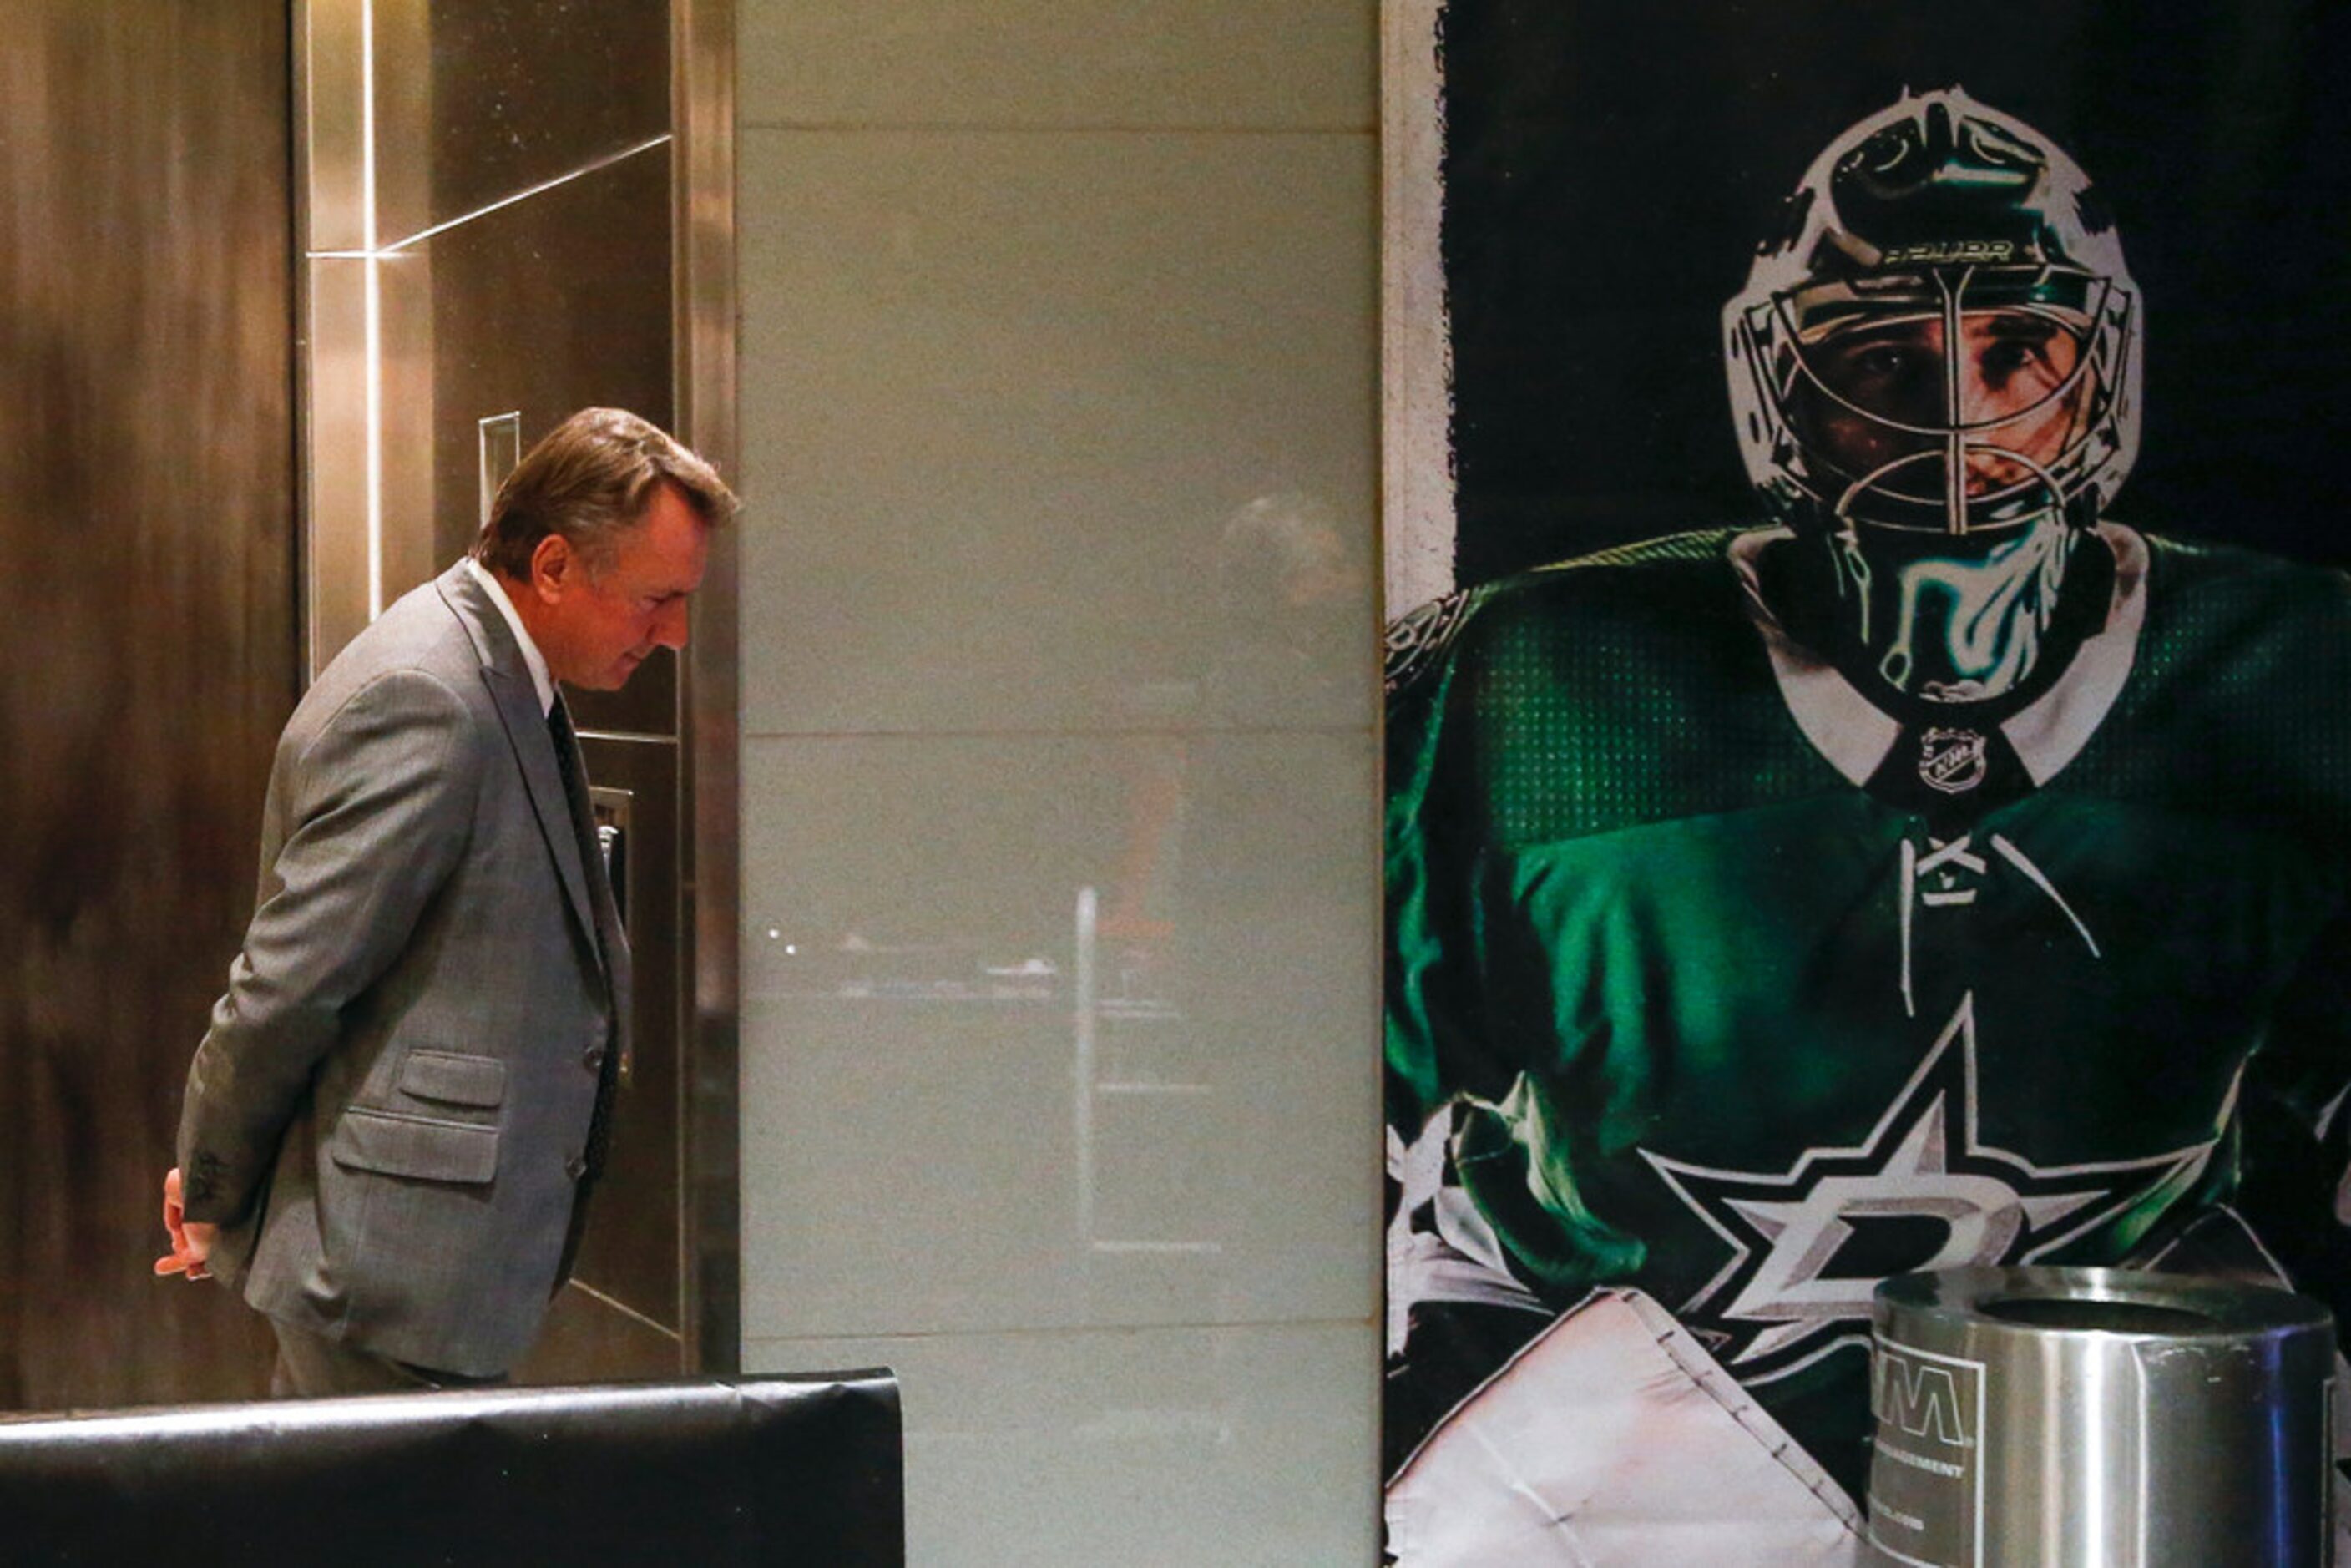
<point x="1697" y="1007"/>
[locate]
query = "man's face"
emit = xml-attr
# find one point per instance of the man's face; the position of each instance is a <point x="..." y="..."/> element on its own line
<point x="597" y="624"/>
<point x="2011" y="386"/>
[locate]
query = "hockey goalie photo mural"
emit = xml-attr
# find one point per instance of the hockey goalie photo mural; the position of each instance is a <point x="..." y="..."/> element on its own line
<point x="1872" y="792"/>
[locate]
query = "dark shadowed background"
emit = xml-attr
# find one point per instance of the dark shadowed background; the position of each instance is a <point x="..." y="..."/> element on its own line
<point x="1609" y="166"/>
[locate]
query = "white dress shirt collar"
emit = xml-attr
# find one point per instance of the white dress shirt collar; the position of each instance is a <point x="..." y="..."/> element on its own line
<point x="531" y="656"/>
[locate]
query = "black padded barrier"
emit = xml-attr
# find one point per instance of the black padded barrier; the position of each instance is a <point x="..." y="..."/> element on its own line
<point x="804" y="1470"/>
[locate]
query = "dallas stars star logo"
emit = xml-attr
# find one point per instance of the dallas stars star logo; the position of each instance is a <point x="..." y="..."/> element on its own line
<point x="1809" y="1245"/>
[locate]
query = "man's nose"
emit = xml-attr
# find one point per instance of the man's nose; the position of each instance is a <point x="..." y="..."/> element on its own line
<point x="670" y="624"/>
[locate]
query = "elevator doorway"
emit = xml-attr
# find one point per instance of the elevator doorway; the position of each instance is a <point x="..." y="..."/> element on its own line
<point x="284" y="285"/>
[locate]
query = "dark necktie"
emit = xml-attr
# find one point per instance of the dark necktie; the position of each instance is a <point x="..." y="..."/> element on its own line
<point x="600" y="898"/>
<point x="575" y="795"/>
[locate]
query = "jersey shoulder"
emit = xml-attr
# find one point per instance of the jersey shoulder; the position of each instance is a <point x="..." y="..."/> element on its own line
<point x="2238" y="626"/>
<point x="2235" y="702"/>
<point x="1622" y="594"/>
<point x="2201" y="590"/>
<point x="1617" y="689"/>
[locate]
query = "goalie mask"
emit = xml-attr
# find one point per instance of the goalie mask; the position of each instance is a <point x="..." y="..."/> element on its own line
<point x="1934" y="371"/>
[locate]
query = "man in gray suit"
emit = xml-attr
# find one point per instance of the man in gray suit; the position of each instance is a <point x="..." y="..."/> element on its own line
<point x="390" y="1127"/>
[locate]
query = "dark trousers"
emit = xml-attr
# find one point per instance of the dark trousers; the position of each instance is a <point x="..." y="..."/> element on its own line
<point x="312" y="1366"/>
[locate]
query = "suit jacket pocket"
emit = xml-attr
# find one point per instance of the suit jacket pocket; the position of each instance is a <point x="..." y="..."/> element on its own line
<point x="423" y="1146"/>
<point x="453" y="1078"/>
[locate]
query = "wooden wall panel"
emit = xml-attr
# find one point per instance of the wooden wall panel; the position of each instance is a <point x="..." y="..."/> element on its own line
<point x="147" y="557"/>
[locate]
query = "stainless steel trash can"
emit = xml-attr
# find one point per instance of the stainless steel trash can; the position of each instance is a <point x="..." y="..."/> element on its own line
<point x="2099" y="1419"/>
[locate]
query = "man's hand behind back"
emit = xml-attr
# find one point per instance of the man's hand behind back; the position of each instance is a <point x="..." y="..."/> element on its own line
<point x="192" y="1239"/>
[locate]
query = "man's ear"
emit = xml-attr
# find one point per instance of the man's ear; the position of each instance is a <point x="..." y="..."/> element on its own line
<point x="555" y="567"/>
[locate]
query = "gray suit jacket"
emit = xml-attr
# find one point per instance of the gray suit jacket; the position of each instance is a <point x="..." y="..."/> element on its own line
<point x="391" y="1112"/>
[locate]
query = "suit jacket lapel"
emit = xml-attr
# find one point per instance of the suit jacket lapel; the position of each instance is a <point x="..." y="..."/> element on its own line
<point x="516" y="700"/>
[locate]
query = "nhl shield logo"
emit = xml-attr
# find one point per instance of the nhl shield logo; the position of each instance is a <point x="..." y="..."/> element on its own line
<point x="1952" y="760"/>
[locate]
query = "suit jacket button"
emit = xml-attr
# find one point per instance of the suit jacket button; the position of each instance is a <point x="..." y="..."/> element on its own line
<point x="575" y="1167"/>
<point x="592" y="1058"/>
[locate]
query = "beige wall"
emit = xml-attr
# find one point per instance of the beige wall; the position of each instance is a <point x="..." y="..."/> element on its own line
<point x="1060" y="888"/>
